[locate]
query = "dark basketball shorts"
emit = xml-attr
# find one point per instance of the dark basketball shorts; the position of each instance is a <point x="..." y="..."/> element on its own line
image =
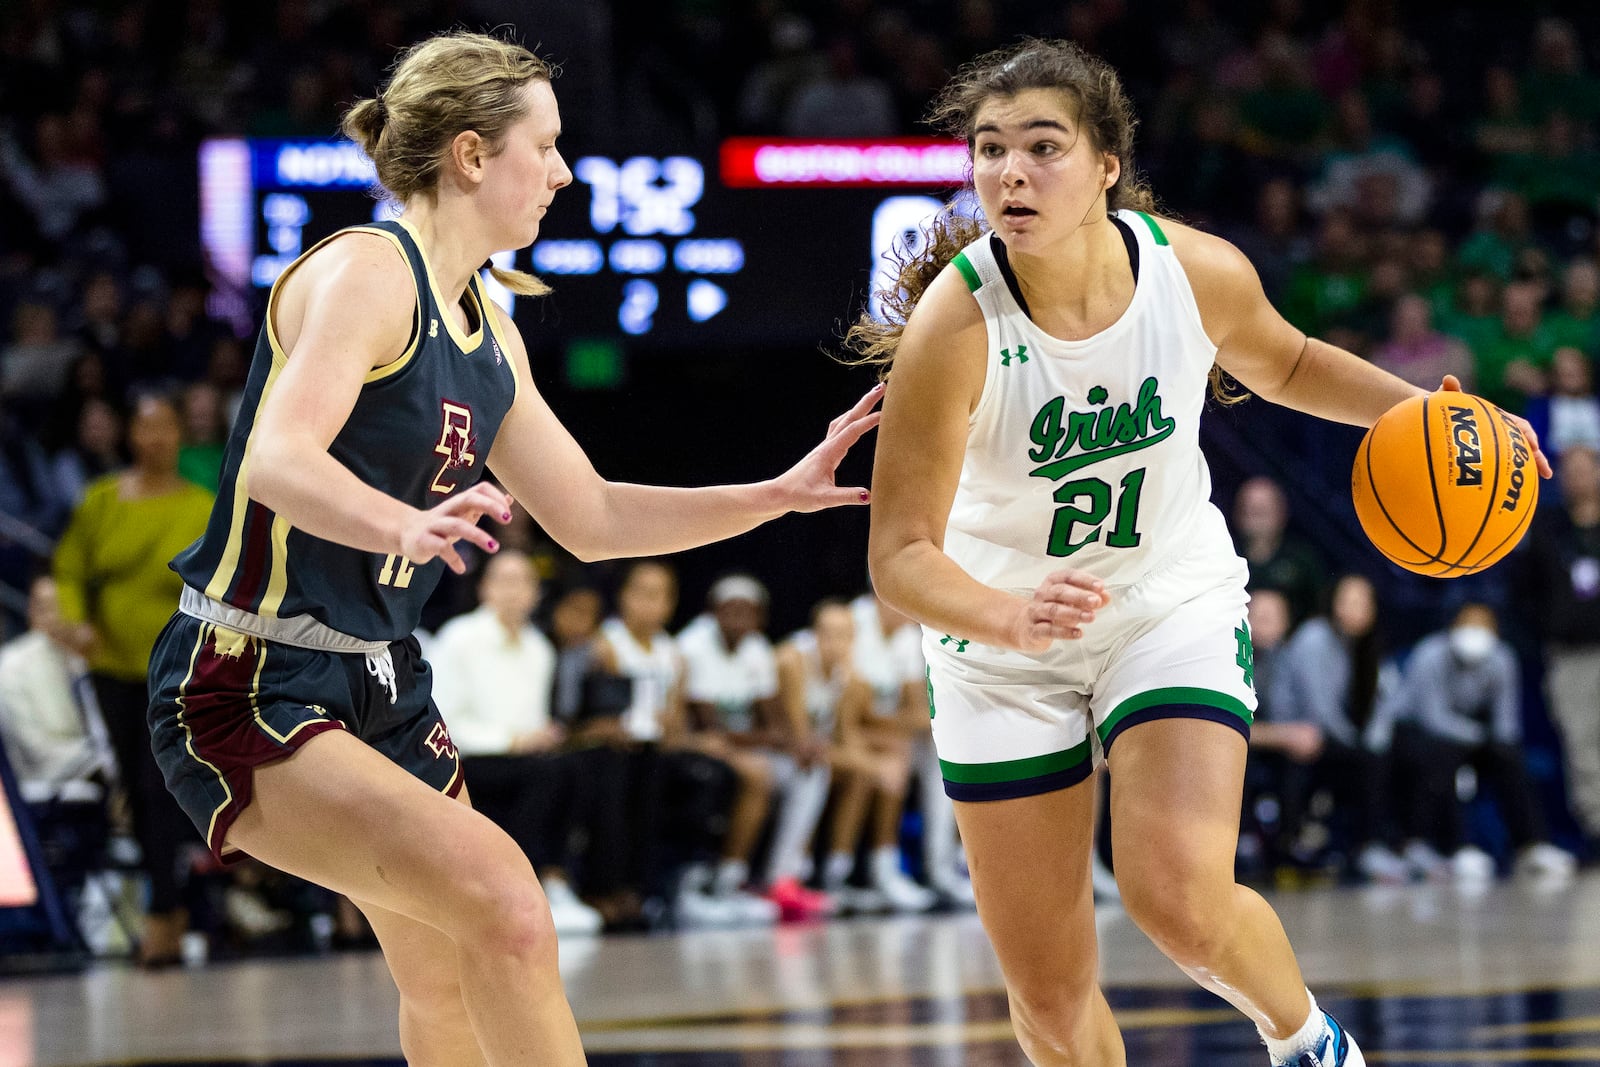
<point x="223" y="703"/>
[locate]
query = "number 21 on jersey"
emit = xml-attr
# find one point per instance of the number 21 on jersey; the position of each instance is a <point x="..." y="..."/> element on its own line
<point x="1124" y="530"/>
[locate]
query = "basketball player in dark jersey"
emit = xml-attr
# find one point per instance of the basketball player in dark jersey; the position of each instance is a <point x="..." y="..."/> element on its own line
<point x="290" y="710"/>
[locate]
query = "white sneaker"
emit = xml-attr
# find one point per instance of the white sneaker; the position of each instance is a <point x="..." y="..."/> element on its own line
<point x="854" y="900"/>
<point x="903" y="895"/>
<point x="957" y="889"/>
<point x="1472" y="865"/>
<point x="749" y="909"/>
<point x="572" y="916"/>
<point x="1381" y="865"/>
<point x="1335" y="1049"/>
<point x="1547" y="862"/>
<point x="696" y="910"/>
<point x="1426" y="862"/>
<point x="251" y="916"/>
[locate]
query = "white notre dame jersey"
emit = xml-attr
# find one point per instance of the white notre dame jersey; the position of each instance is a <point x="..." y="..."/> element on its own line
<point x="654" y="671"/>
<point x="822" y="689"/>
<point x="886" y="662"/>
<point x="1086" y="453"/>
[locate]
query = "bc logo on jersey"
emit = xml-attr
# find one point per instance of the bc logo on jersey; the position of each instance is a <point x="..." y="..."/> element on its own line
<point x="438" y="741"/>
<point x="456" y="444"/>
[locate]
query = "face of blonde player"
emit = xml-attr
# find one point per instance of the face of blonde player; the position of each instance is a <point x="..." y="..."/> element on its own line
<point x="1037" y="174"/>
<point x="521" y="179"/>
<point x="835" y="628"/>
<point x="648" y="599"/>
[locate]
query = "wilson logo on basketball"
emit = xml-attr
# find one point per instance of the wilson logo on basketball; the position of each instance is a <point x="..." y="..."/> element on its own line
<point x="1469" y="448"/>
<point x="1520" y="455"/>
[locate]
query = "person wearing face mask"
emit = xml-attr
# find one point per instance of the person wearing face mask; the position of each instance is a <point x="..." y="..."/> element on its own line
<point x="1462" y="693"/>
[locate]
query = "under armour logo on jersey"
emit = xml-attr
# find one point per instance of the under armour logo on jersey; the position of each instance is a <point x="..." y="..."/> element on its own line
<point x="960" y="643"/>
<point x="1020" y="355"/>
<point x="433" y="327"/>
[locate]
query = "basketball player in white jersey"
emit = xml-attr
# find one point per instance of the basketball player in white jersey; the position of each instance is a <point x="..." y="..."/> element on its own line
<point x="825" y="693"/>
<point x="889" y="655"/>
<point x="1042" y="507"/>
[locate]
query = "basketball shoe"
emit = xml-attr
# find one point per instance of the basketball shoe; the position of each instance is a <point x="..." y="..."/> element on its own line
<point x="1333" y="1049"/>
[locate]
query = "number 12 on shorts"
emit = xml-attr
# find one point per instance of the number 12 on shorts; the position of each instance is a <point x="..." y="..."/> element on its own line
<point x="1124" y="532"/>
<point x="397" y="572"/>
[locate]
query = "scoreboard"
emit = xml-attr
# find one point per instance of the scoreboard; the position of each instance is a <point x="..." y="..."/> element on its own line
<point x="771" y="242"/>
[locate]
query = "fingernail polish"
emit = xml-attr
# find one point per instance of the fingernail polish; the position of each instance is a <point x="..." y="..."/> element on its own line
<point x="494" y="546"/>
<point x="865" y="496"/>
<point x="505" y="516"/>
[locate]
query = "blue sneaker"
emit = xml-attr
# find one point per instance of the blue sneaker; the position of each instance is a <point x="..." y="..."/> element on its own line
<point x="1336" y="1049"/>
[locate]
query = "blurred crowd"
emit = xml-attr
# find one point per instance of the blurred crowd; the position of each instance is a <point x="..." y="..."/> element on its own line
<point x="1422" y="192"/>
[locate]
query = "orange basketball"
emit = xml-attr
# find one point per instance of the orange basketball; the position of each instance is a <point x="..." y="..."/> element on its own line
<point x="1444" y="485"/>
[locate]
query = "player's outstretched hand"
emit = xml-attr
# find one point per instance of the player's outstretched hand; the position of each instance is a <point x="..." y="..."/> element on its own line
<point x="1452" y="384"/>
<point x="1061" y="607"/>
<point x="808" y="485"/>
<point x="434" y="533"/>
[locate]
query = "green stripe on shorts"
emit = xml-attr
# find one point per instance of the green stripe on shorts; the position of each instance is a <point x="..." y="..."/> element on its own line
<point x="1015" y="770"/>
<point x="1179" y="694"/>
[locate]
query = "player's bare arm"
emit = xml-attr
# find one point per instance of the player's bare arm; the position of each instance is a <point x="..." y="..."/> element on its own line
<point x="344" y="312"/>
<point x="1265" y="353"/>
<point x="1272" y="358"/>
<point x="937" y="381"/>
<point x="539" y="461"/>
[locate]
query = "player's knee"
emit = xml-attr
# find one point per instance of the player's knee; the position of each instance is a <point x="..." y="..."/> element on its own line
<point x="498" y="904"/>
<point x="509" y="917"/>
<point x="1053" y="1016"/>
<point x="1187" y="920"/>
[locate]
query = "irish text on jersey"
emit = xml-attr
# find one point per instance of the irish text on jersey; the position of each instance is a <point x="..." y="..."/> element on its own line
<point x="1065" y="441"/>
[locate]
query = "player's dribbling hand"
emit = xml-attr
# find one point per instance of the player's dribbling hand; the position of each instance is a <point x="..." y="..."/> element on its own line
<point x="808" y="485"/>
<point x="1452" y="384"/>
<point x="1060" y="608"/>
<point x="434" y="533"/>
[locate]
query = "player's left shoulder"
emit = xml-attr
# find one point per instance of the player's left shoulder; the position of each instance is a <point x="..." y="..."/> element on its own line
<point x="1203" y="255"/>
<point x="1224" y="283"/>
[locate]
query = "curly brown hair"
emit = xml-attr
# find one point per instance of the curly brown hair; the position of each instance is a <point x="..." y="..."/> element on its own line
<point x="1102" y="109"/>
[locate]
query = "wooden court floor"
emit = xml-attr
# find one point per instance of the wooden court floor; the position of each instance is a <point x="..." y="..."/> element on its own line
<point x="1421" y="975"/>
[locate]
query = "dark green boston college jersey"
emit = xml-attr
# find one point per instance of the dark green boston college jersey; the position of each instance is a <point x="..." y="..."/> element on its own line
<point x="420" y="431"/>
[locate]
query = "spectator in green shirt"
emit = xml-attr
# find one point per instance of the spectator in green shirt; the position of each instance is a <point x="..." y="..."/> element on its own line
<point x="1333" y="284"/>
<point x="1277" y="559"/>
<point x="1557" y="80"/>
<point x="1560" y="174"/>
<point x="1577" y="323"/>
<point x="204" y="436"/>
<point x="117" y="594"/>
<point x="1504" y="128"/>
<point x="1284" y="117"/>
<point x="1513" y="364"/>
<point x="1503" y="231"/>
<point x="1473" y="317"/>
